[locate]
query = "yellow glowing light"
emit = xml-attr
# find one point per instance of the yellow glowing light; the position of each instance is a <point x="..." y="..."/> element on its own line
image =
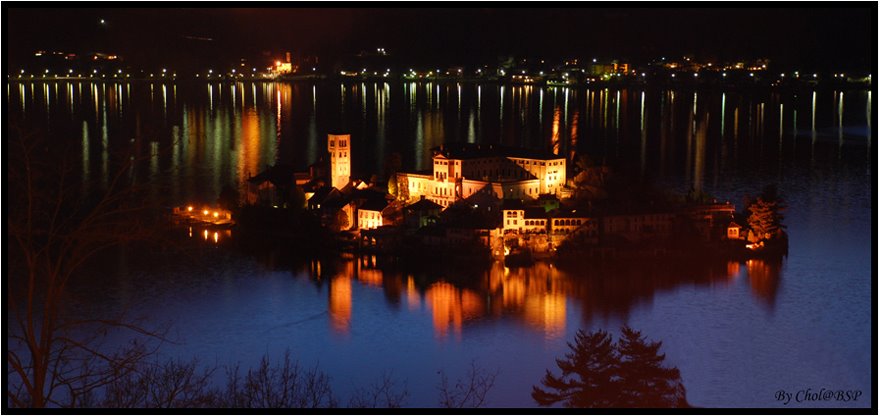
<point x="216" y="214"/>
<point x="189" y="208"/>
<point x="205" y="212"/>
<point x="216" y="237"/>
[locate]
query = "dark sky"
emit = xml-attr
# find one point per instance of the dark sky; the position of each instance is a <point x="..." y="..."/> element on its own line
<point x="842" y="38"/>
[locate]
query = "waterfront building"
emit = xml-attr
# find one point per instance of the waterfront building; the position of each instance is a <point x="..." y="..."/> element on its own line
<point x="502" y="196"/>
<point x="462" y="170"/>
<point x="734" y="231"/>
<point x="270" y="187"/>
<point x="339" y="148"/>
<point x="421" y="213"/>
<point x="370" y="213"/>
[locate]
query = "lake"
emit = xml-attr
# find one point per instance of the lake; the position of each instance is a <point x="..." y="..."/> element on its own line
<point x="738" y="332"/>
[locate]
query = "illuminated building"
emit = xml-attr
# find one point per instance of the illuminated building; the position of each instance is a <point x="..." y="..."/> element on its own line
<point x="463" y="170"/>
<point x="613" y="67"/>
<point x="339" y="147"/>
<point x="370" y="213"/>
<point x="283" y="67"/>
<point x="734" y="231"/>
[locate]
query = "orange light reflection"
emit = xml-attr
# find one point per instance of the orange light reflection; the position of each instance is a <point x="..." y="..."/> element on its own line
<point x="340" y="303"/>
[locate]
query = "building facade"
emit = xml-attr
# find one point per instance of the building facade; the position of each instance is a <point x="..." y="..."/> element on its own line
<point x="463" y="170"/>
<point x="339" y="147"/>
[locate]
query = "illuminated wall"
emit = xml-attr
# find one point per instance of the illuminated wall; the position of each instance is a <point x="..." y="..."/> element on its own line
<point x="369" y="219"/>
<point x="506" y="177"/>
<point x="513" y="219"/>
<point x="339" y="147"/>
<point x="411" y="186"/>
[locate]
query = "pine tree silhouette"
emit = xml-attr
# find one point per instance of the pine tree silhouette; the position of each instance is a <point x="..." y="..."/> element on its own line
<point x="644" y="381"/>
<point x="765" y="213"/>
<point x="598" y="373"/>
<point x="588" y="374"/>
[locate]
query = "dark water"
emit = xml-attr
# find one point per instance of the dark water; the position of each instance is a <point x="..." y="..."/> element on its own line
<point x="739" y="332"/>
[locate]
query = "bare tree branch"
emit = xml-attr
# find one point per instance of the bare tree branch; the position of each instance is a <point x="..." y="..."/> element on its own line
<point x="468" y="392"/>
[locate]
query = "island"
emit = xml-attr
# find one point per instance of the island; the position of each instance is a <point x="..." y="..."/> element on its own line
<point x="495" y="202"/>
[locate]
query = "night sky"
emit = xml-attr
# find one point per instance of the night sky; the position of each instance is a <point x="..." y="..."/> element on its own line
<point x="821" y="39"/>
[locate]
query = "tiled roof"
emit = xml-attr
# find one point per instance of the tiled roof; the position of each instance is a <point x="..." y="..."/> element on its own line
<point x="512" y="205"/>
<point x="460" y="150"/>
<point x="424" y="205"/>
<point x="278" y="175"/>
<point x="535" y="213"/>
<point x="374" y="204"/>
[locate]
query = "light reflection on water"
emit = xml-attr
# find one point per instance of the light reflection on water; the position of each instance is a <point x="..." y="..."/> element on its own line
<point x="730" y="328"/>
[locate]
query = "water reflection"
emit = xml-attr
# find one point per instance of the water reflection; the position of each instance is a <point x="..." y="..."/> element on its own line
<point x="451" y="306"/>
<point x="540" y="297"/>
<point x="219" y="142"/>
<point x="764" y="278"/>
<point x="867" y="112"/>
<point x="225" y="141"/>
<point x="840" y="121"/>
<point x="813" y="117"/>
<point x="339" y="304"/>
<point x="554" y="138"/>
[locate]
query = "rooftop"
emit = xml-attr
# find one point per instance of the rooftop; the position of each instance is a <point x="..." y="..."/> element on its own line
<point x="279" y="175"/>
<point x="535" y="213"/>
<point x="460" y="150"/>
<point x="424" y="205"/>
<point x="374" y="204"/>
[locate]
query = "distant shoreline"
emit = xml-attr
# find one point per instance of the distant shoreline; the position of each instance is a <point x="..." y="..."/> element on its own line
<point x="666" y="84"/>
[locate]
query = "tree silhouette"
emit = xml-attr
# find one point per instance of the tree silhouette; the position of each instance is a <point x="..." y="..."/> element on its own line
<point x="56" y="357"/>
<point x="765" y="214"/>
<point x="229" y="198"/>
<point x="588" y="374"/>
<point x="598" y="373"/>
<point x="644" y="381"/>
<point x="340" y="221"/>
<point x="469" y="392"/>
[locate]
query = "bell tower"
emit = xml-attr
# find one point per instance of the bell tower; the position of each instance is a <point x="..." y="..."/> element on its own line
<point x="339" y="147"/>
